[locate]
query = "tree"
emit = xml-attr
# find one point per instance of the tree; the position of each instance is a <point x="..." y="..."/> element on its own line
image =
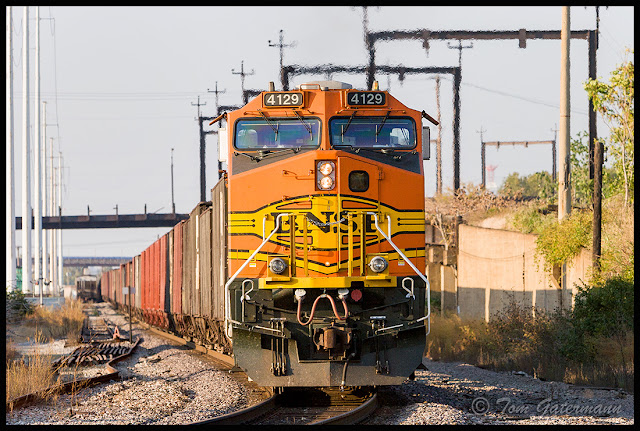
<point x="581" y="185"/>
<point x="539" y="185"/>
<point x="614" y="101"/>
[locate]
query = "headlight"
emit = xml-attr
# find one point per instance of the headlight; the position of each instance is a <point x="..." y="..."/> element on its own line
<point x="325" y="168"/>
<point x="378" y="264"/>
<point x="277" y="265"/>
<point x="326" y="183"/>
<point x="325" y="174"/>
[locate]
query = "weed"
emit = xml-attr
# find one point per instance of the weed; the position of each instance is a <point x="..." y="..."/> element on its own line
<point x="29" y="374"/>
<point x="560" y="345"/>
<point x="63" y="322"/>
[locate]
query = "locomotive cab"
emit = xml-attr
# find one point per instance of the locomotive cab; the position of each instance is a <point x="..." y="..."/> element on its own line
<point x="326" y="246"/>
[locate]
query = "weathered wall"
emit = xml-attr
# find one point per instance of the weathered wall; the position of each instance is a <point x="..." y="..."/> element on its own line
<point x="491" y="267"/>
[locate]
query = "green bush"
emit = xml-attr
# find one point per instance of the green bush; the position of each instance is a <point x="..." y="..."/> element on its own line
<point x="17" y="303"/>
<point x="531" y="219"/>
<point x="592" y="344"/>
<point x="539" y="185"/>
<point x="558" y="242"/>
<point x="605" y="310"/>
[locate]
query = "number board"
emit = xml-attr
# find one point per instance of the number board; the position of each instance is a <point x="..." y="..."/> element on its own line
<point x="366" y="98"/>
<point x="290" y="98"/>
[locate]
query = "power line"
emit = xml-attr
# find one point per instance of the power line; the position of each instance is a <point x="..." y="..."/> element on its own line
<point x="515" y="96"/>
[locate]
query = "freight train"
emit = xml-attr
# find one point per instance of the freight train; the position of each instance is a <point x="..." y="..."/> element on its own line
<point x="88" y="288"/>
<point x="307" y="264"/>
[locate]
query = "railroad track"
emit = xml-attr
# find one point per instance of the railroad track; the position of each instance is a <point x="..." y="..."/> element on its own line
<point x="101" y="343"/>
<point x="94" y="353"/>
<point x="313" y="406"/>
<point x="110" y="351"/>
<point x="96" y="329"/>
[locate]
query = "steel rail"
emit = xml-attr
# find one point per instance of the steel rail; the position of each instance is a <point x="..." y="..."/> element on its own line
<point x="353" y="416"/>
<point x="243" y="415"/>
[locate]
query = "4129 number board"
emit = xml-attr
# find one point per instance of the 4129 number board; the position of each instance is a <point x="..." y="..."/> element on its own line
<point x="292" y="98"/>
<point x="366" y="98"/>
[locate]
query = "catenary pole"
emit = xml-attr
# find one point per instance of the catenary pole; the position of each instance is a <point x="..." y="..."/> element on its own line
<point x="11" y="193"/>
<point x="45" y="195"/>
<point x="60" y="279"/>
<point x="26" y="172"/>
<point x="564" y="177"/>
<point x="37" y="195"/>
<point x="439" y="141"/>
<point x="52" y="232"/>
<point x="564" y="155"/>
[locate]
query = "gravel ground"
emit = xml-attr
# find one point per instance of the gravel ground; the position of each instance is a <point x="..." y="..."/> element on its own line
<point x="162" y="383"/>
<point x="462" y="394"/>
<point x="167" y="384"/>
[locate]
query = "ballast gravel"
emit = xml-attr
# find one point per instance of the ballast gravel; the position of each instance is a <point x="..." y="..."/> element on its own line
<point x="161" y="383"/>
<point x="455" y="393"/>
<point x="165" y="384"/>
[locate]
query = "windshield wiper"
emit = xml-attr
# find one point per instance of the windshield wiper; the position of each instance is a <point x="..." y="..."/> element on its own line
<point x="386" y="151"/>
<point x="304" y="124"/>
<point x="270" y="123"/>
<point x="263" y="154"/>
<point x="254" y="158"/>
<point x="381" y="124"/>
<point x="347" y="126"/>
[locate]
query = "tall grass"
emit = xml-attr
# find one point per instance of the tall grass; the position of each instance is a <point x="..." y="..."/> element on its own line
<point x="541" y="344"/>
<point x="57" y="323"/>
<point x="29" y="374"/>
<point x="33" y="372"/>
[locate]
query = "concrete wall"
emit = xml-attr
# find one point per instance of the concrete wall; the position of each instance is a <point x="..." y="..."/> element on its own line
<point x="494" y="266"/>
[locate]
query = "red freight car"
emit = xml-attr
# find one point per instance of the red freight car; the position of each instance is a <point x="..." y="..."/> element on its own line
<point x="176" y="279"/>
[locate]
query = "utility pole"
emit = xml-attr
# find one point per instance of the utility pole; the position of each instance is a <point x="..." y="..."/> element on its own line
<point x="173" y="205"/>
<point x="281" y="45"/>
<point x="37" y="255"/>
<point x="564" y="177"/>
<point x="597" y="205"/>
<point x="52" y="232"/>
<point x="27" y="277"/>
<point x="439" y="141"/>
<point x="216" y="91"/>
<point x="60" y="259"/>
<point x="11" y="209"/>
<point x="554" y="174"/>
<point x="43" y="179"/>
<point x="203" y="179"/>
<point x="457" y="79"/>
<point x="459" y="48"/>
<point x="598" y="155"/>
<point x="456" y="144"/>
<point x="482" y="158"/>
<point x="242" y="75"/>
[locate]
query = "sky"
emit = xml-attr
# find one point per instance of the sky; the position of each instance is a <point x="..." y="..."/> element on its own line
<point x="122" y="85"/>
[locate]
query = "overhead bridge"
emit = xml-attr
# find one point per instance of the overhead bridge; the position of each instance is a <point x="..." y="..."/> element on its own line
<point x="110" y="221"/>
<point x="86" y="261"/>
<point x="94" y="261"/>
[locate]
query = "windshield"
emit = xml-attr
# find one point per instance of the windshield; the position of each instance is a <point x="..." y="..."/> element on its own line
<point x="373" y="132"/>
<point x="261" y="133"/>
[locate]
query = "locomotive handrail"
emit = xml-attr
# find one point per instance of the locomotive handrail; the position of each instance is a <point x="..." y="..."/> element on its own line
<point x="227" y="297"/>
<point x="422" y="276"/>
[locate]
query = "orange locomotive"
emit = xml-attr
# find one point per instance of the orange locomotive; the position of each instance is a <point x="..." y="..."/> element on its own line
<point x="307" y="265"/>
<point x="326" y="241"/>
